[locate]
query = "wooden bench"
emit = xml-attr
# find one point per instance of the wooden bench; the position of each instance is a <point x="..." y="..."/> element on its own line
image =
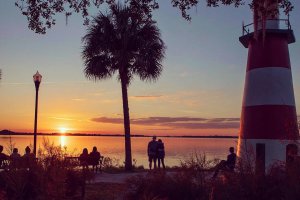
<point x="74" y="160"/>
<point x="20" y="163"/>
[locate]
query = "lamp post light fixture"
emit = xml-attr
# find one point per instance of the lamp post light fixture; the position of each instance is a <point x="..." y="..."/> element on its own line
<point x="37" y="78"/>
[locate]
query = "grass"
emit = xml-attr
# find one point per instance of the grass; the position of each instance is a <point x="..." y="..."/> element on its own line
<point x="107" y="191"/>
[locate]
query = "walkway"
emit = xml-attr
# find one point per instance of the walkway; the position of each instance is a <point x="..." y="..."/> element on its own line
<point x="120" y="177"/>
<point x="115" y="178"/>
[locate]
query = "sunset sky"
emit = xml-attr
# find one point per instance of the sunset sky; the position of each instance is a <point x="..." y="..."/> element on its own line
<point x="199" y="91"/>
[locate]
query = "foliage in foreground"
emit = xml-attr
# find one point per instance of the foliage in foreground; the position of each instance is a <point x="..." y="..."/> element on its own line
<point x="105" y="191"/>
<point x="113" y="165"/>
<point x="51" y="177"/>
<point x="41" y="14"/>
<point x="194" y="181"/>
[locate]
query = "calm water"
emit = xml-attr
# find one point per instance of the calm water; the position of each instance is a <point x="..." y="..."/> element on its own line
<point x="176" y="148"/>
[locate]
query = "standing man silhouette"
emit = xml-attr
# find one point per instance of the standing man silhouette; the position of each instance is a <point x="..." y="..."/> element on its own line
<point x="152" y="152"/>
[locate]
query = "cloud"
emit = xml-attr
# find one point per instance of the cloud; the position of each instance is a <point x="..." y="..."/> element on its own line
<point x="62" y="118"/>
<point x="161" y="120"/>
<point x="147" y="97"/>
<point x="108" y="120"/>
<point x="224" y="119"/>
<point x="206" y="125"/>
<point x="78" y="99"/>
<point x="159" y="129"/>
<point x="17" y="83"/>
<point x="184" y="74"/>
<point x="177" y="122"/>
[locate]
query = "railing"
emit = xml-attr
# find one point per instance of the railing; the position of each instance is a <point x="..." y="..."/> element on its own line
<point x="7" y="164"/>
<point x="75" y="161"/>
<point x="282" y="24"/>
<point x="4" y="164"/>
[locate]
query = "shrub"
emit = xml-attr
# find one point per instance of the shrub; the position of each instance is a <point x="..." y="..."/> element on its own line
<point x="188" y="182"/>
<point x="192" y="180"/>
<point x="51" y="177"/>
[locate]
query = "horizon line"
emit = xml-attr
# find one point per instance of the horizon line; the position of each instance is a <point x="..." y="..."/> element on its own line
<point x="2" y="133"/>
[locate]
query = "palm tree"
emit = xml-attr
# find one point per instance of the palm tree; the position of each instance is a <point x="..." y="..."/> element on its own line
<point x="125" y="42"/>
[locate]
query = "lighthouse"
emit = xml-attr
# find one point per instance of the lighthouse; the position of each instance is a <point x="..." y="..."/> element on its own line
<point x="268" y="128"/>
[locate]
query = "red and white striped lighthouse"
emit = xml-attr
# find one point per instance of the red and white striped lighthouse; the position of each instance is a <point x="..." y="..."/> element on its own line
<point x="268" y="120"/>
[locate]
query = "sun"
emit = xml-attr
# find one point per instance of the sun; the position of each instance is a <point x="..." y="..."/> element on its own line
<point x="63" y="130"/>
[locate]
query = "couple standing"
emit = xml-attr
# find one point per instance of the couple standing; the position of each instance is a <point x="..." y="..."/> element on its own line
<point x="156" y="151"/>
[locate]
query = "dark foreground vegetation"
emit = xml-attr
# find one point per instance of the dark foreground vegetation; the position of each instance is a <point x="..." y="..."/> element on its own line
<point x="53" y="178"/>
<point x="193" y="180"/>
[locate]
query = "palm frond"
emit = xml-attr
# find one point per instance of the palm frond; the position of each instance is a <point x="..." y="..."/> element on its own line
<point x="151" y="51"/>
<point x="99" y="67"/>
<point x="122" y="41"/>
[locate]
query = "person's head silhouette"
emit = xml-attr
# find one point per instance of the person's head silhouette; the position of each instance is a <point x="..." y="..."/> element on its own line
<point x="15" y="150"/>
<point x="94" y="149"/>
<point x="85" y="151"/>
<point x="27" y="149"/>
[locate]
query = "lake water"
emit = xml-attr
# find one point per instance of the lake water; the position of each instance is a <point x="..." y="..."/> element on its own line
<point x="176" y="148"/>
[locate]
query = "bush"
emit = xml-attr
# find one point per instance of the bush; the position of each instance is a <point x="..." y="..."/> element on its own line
<point x="51" y="177"/>
<point x="188" y="182"/>
<point x="193" y="181"/>
<point x="162" y="186"/>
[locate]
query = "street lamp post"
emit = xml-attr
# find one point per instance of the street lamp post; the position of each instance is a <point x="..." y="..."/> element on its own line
<point x="37" y="78"/>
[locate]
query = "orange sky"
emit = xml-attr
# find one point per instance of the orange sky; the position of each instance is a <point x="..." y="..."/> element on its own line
<point x="199" y="92"/>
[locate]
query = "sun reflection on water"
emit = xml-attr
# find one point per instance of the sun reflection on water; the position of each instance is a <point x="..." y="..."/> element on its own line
<point x="63" y="140"/>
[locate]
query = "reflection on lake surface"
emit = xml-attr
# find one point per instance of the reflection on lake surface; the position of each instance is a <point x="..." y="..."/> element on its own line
<point x="63" y="140"/>
<point x="176" y="148"/>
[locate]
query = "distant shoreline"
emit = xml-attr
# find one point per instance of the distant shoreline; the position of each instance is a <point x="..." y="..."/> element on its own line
<point x="10" y="133"/>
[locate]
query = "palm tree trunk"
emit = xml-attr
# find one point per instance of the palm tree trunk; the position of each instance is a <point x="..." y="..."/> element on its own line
<point x="128" y="160"/>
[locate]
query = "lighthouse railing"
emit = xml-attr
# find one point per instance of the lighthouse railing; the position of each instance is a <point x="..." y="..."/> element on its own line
<point x="283" y="24"/>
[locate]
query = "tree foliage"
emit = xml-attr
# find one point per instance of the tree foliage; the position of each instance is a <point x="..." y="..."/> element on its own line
<point x="41" y="13"/>
<point x="126" y="43"/>
<point x="123" y="42"/>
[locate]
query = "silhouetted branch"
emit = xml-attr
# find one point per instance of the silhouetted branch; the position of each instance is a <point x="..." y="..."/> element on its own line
<point x="41" y="13"/>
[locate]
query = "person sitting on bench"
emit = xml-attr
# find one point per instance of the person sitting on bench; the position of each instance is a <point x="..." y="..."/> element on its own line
<point x="228" y="164"/>
<point x="84" y="159"/>
<point x="28" y="159"/>
<point x="15" y="159"/>
<point x="94" y="158"/>
<point x="3" y="157"/>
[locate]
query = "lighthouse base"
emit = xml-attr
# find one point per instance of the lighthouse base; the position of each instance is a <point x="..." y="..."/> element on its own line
<point x="265" y="153"/>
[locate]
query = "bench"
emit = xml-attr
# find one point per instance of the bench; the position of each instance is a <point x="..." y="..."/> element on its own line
<point x="20" y="163"/>
<point x="74" y="160"/>
<point x="4" y="164"/>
